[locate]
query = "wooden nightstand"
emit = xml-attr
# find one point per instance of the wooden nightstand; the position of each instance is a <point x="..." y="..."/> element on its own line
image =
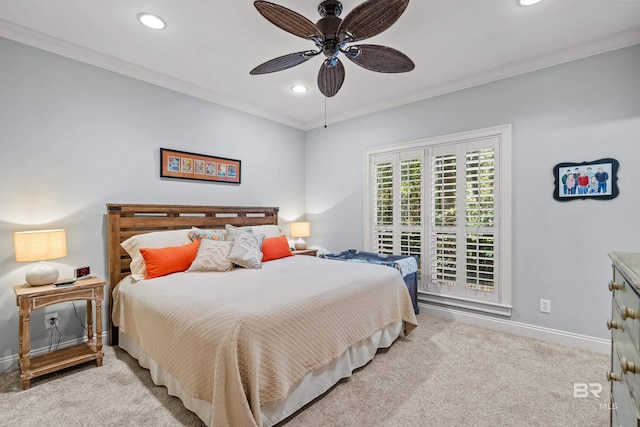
<point x="310" y="252"/>
<point x="29" y="298"/>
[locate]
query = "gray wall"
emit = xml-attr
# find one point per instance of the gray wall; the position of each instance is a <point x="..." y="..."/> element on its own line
<point x="75" y="137"/>
<point x="579" y="111"/>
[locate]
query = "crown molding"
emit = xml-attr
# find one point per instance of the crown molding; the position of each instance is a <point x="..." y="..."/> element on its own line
<point x="48" y="43"/>
<point x="70" y="50"/>
<point x="615" y="41"/>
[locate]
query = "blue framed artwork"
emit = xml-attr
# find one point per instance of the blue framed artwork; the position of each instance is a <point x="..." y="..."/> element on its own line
<point x="587" y="180"/>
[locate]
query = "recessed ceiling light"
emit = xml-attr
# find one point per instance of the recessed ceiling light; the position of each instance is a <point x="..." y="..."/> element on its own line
<point x="528" y="2"/>
<point x="152" y="21"/>
<point x="299" y="88"/>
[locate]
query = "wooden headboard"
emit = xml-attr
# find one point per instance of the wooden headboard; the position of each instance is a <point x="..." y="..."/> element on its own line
<point x="126" y="220"/>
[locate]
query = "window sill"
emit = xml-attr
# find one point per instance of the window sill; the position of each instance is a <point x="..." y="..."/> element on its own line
<point x="485" y="307"/>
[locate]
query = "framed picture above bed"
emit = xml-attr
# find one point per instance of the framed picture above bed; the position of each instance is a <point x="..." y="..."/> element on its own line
<point x="587" y="180"/>
<point x="201" y="167"/>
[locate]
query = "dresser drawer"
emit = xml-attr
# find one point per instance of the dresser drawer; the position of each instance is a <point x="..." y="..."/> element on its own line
<point x="624" y="411"/>
<point x="626" y="300"/>
<point x="627" y="362"/>
<point x="617" y="326"/>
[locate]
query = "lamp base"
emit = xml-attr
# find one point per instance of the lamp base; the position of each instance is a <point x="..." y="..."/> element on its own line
<point x="42" y="274"/>
<point x="300" y="244"/>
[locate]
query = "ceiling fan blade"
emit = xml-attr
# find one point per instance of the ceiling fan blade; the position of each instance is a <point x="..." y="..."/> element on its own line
<point x="330" y="78"/>
<point x="371" y="18"/>
<point x="288" y="20"/>
<point x="281" y="63"/>
<point x="382" y="59"/>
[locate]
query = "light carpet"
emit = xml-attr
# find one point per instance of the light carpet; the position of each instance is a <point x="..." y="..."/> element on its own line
<point x="444" y="374"/>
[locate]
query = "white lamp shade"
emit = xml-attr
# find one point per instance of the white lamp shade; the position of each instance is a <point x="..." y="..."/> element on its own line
<point x="41" y="245"/>
<point x="300" y="229"/>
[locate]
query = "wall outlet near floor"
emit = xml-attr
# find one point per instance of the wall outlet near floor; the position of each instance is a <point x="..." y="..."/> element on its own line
<point x="545" y="306"/>
<point x="51" y="320"/>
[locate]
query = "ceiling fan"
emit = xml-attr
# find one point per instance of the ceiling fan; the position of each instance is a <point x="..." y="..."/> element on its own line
<point x="331" y="35"/>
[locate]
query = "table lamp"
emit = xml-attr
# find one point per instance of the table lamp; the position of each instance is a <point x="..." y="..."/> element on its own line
<point x="300" y="230"/>
<point x="41" y="245"/>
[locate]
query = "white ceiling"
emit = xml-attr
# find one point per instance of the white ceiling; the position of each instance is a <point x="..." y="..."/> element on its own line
<point x="209" y="47"/>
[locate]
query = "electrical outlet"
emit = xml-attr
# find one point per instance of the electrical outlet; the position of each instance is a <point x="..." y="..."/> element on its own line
<point x="545" y="306"/>
<point x="51" y="320"/>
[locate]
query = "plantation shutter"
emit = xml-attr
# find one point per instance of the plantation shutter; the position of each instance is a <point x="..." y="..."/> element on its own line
<point x="411" y="229"/>
<point x="462" y="233"/>
<point x="397" y="203"/>
<point x="383" y="207"/>
<point x="443" y="237"/>
<point x="480" y="242"/>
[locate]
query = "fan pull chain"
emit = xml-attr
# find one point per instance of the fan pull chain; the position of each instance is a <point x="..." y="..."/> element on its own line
<point x="325" y="112"/>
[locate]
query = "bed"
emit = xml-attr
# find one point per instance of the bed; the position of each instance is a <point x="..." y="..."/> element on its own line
<point x="250" y="346"/>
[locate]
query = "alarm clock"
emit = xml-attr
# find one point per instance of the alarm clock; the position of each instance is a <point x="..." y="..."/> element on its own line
<point x="82" y="272"/>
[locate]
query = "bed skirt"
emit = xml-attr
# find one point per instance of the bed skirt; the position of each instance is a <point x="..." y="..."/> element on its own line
<point x="304" y="391"/>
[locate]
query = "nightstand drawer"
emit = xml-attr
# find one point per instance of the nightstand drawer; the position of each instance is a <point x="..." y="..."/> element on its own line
<point x="72" y="295"/>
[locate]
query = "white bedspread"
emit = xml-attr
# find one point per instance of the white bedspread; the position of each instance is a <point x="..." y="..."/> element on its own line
<point x="241" y="339"/>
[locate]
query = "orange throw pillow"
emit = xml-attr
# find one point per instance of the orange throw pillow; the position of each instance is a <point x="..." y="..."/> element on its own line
<point x="274" y="248"/>
<point x="163" y="261"/>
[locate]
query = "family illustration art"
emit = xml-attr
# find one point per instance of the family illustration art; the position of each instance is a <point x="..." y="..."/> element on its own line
<point x="586" y="180"/>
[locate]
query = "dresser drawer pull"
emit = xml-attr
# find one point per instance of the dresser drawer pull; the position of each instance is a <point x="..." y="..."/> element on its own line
<point x="627" y="366"/>
<point x="628" y="313"/>
<point x="612" y="376"/>
<point x="613" y="286"/>
<point x="612" y="324"/>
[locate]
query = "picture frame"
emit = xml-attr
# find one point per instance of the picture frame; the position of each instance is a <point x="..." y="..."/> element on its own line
<point x="200" y="167"/>
<point x="597" y="179"/>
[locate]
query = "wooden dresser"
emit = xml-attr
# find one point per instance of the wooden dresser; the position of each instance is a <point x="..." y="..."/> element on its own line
<point x="625" y="339"/>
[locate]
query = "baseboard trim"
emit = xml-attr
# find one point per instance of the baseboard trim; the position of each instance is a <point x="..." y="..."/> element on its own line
<point x="584" y="342"/>
<point x="10" y="363"/>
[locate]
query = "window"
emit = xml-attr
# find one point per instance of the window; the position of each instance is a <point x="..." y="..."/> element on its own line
<point x="446" y="200"/>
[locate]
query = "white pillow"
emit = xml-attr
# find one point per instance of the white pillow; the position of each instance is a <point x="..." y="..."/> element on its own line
<point x="156" y="239"/>
<point x="213" y="255"/>
<point x="265" y="230"/>
<point x="198" y="234"/>
<point x="246" y="250"/>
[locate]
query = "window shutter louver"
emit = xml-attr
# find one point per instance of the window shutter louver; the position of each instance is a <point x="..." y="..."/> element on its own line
<point x="411" y="229"/>
<point x="384" y="193"/>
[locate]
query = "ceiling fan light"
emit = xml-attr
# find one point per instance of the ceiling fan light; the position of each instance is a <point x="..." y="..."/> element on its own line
<point x="528" y="2"/>
<point x="152" y="21"/>
<point x="299" y="89"/>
